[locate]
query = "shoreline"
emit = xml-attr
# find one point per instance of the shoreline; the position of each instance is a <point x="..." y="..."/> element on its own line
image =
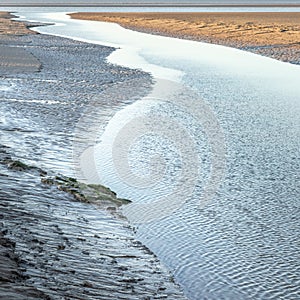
<point x="63" y="240"/>
<point x="275" y="35"/>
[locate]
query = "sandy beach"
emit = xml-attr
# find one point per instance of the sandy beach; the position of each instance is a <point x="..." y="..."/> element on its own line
<point x="275" y="35"/>
<point x="61" y="239"/>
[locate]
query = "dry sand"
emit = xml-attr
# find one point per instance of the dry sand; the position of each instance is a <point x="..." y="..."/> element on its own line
<point x="275" y="35"/>
<point x="11" y="27"/>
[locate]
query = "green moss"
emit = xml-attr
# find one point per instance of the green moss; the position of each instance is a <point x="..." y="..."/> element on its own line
<point x="18" y="165"/>
<point x="89" y="193"/>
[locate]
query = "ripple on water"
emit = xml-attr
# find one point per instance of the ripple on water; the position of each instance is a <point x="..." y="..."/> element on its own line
<point x="244" y="243"/>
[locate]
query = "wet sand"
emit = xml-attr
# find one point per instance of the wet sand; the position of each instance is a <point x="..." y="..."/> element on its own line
<point x="275" y="35"/>
<point x="56" y="240"/>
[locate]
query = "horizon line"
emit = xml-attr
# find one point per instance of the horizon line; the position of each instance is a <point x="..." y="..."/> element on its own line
<point x="145" y="5"/>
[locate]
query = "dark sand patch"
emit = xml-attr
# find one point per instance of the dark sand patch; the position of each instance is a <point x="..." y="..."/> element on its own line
<point x="14" y="59"/>
<point x="12" y="284"/>
<point x="17" y="60"/>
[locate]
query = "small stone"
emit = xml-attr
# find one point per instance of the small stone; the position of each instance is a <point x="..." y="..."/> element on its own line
<point x="61" y="247"/>
<point x="88" y="284"/>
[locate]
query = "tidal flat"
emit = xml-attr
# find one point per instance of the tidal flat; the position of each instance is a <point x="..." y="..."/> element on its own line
<point x="53" y="243"/>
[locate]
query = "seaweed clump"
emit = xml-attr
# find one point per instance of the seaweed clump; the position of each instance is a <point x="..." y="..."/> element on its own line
<point x="89" y="193"/>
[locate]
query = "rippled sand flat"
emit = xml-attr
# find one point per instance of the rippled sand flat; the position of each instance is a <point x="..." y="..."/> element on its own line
<point x="53" y="246"/>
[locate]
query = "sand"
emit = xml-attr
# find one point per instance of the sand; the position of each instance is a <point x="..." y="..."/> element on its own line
<point x="275" y="35"/>
<point x="11" y="27"/>
<point x="14" y="59"/>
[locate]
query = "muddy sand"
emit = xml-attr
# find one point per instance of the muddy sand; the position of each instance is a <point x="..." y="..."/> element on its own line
<point x="60" y="239"/>
<point x="275" y="35"/>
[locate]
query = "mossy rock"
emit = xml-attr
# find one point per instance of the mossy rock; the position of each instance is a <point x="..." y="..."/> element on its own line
<point x="89" y="193"/>
<point x="17" y="165"/>
<point x="97" y="192"/>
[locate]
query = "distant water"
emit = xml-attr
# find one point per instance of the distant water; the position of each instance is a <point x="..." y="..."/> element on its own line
<point x="139" y="8"/>
<point x="141" y="2"/>
<point x="174" y="3"/>
<point x="151" y="9"/>
<point x="222" y="133"/>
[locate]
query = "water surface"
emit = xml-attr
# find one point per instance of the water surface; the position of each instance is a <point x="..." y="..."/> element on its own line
<point x="219" y="121"/>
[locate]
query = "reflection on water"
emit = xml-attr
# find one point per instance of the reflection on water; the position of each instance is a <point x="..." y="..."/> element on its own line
<point x="243" y="244"/>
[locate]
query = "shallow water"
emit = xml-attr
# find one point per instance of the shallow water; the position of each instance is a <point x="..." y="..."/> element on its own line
<point x="210" y="159"/>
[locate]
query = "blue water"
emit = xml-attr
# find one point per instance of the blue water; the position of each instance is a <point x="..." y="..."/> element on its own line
<point x="210" y="159"/>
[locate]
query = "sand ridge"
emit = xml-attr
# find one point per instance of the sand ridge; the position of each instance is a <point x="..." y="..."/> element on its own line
<point x="275" y="35"/>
